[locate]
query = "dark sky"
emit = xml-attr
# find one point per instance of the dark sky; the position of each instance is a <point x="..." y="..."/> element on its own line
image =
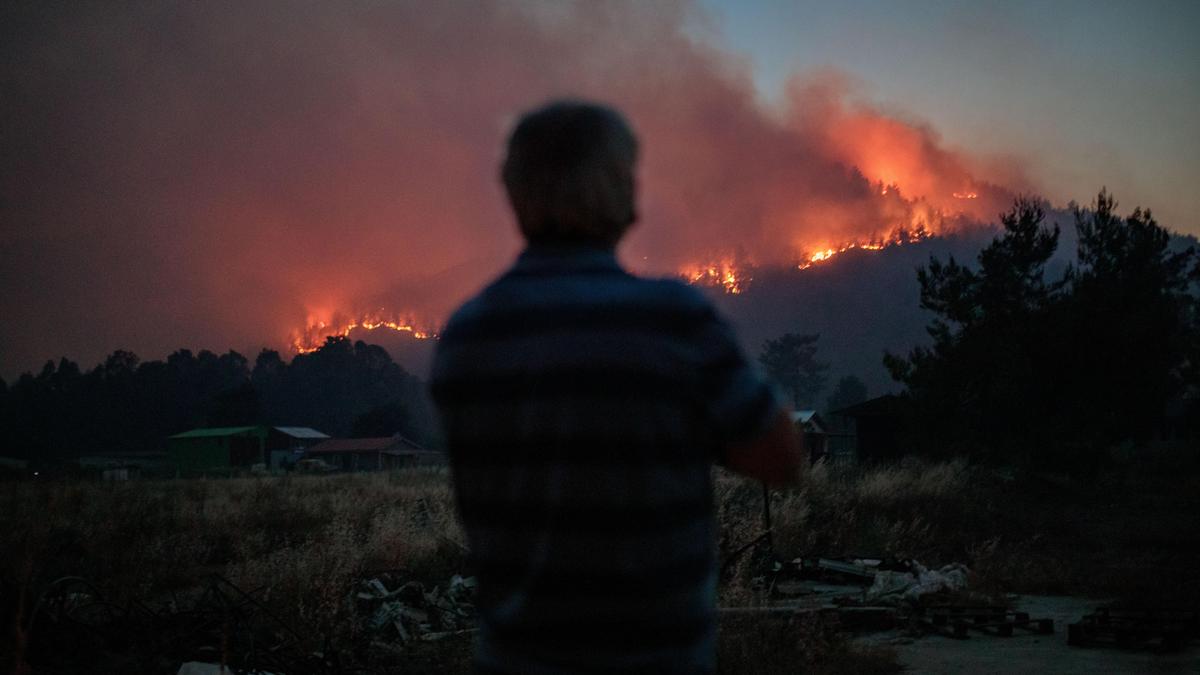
<point x="222" y="175"/>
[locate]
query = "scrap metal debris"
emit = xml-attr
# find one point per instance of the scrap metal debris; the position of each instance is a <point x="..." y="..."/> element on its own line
<point x="855" y="569"/>
<point x="894" y="587"/>
<point x="201" y="668"/>
<point x="408" y="612"/>
<point x="886" y="581"/>
<point x="845" y="571"/>
<point x="873" y="594"/>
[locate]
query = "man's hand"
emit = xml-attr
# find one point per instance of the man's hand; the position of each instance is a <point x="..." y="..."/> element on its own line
<point x="776" y="457"/>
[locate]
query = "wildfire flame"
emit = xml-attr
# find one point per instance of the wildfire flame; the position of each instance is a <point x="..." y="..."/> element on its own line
<point x="317" y="331"/>
<point x="897" y="239"/>
<point x="730" y="276"/>
<point x="723" y="273"/>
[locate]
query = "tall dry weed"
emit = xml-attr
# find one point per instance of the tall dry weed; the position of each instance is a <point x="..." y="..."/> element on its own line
<point x="299" y="542"/>
<point x="909" y="510"/>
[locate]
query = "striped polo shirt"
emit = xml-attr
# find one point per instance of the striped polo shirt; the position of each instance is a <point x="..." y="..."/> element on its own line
<point x="583" y="408"/>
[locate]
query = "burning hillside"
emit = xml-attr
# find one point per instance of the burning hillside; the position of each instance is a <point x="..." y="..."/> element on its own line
<point x="733" y="273"/>
<point x="317" y="331"/>
<point x="738" y="188"/>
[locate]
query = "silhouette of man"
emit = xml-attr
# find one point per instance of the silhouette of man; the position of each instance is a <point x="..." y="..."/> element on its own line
<point x="583" y="408"/>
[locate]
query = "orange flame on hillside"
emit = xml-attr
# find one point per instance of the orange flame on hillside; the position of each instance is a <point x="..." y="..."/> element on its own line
<point x="925" y="222"/>
<point x="723" y="273"/>
<point x="734" y="278"/>
<point x="898" y="238"/>
<point x="316" y="332"/>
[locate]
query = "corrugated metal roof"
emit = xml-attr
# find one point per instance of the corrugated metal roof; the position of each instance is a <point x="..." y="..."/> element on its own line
<point x="352" y="445"/>
<point x="301" y="432"/>
<point x="208" y="432"/>
<point x="887" y="405"/>
<point x="396" y="444"/>
<point x="810" y="420"/>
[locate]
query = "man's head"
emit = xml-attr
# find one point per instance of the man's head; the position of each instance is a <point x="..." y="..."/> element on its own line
<point x="569" y="174"/>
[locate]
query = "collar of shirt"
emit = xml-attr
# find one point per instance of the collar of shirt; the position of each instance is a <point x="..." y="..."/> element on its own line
<point x="566" y="257"/>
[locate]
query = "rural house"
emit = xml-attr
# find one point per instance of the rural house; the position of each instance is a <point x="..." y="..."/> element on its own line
<point x="373" y="454"/>
<point x="813" y="433"/>
<point x="223" y="448"/>
<point x="868" y="431"/>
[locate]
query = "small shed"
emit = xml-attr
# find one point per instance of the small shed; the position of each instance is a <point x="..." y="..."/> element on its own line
<point x="282" y="455"/>
<point x="870" y="430"/>
<point x="374" y="454"/>
<point x="221" y="448"/>
<point x="813" y="433"/>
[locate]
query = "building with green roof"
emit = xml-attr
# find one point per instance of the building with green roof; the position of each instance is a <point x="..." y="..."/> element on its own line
<point x="225" y="448"/>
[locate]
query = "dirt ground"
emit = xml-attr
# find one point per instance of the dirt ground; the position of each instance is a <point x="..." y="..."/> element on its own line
<point x="1028" y="653"/>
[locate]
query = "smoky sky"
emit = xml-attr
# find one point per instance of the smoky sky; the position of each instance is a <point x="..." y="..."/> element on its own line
<point x="216" y="175"/>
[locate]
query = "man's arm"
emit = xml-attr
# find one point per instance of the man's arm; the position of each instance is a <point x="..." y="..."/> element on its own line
<point x="755" y="429"/>
<point x="775" y="456"/>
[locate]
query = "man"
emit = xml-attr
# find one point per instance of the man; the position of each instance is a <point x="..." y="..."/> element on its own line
<point x="583" y="408"/>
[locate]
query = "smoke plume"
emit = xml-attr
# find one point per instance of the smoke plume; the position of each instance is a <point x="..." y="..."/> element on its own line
<point x="215" y="175"/>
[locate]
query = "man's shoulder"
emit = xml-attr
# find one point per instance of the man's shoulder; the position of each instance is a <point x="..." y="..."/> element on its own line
<point x="676" y="292"/>
<point x="515" y="293"/>
<point x="663" y="292"/>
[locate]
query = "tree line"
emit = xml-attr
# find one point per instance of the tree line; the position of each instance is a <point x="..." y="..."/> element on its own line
<point x="1025" y="368"/>
<point x="344" y="389"/>
<point x="1021" y="366"/>
<point x="790" y="361"/>
<point x="1057" y="371"/>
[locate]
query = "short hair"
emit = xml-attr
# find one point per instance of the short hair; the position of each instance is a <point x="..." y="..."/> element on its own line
<point x="569" y="174"/>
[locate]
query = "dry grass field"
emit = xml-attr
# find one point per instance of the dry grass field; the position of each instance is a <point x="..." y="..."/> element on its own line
<point x="303" y="544"/>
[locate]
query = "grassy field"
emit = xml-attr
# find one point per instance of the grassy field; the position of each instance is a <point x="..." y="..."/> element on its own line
<point x="302" y="544"/>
